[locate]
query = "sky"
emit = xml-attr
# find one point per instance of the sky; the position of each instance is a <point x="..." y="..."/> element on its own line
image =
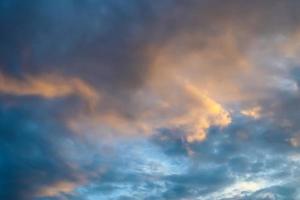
<point x="149" y="100"/>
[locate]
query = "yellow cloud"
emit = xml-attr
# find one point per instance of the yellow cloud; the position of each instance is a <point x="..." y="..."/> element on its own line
<point x="211" y="114"/>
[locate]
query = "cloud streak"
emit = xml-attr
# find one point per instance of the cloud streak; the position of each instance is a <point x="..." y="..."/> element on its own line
<point x="48" y="86"/>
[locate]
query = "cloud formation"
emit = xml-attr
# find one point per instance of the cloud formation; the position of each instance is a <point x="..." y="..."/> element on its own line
<point x="48" y="86"/>
<point x="120" y="99"/>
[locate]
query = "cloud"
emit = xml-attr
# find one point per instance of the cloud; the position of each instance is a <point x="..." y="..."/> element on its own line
<point x="252" y="112"/>
<point x="48" y="86"/>
<point x="217" y="62"/>
<point x="56" y="189"/>
<point x="212" y="114"/>
<point x="187" y="99"/>
<point x="30" y="156"/>
<point x="188" y="109"/>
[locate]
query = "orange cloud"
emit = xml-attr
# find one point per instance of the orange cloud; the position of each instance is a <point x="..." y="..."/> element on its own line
<point x="211" y="114"/>
<point x="56" y="189"/>
<point x="186" y="107"/>
<point x="192" y="82"/>
<point x="215" y="64"/>
<point x="188" y="88"/>
<point x="48" y="86"/>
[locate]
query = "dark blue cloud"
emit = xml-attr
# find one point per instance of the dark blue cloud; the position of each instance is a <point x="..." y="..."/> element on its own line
<point x="31" y="142"/>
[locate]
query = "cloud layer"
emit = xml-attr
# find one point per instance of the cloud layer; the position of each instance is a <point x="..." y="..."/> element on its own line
<point x="149" y="100"/>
